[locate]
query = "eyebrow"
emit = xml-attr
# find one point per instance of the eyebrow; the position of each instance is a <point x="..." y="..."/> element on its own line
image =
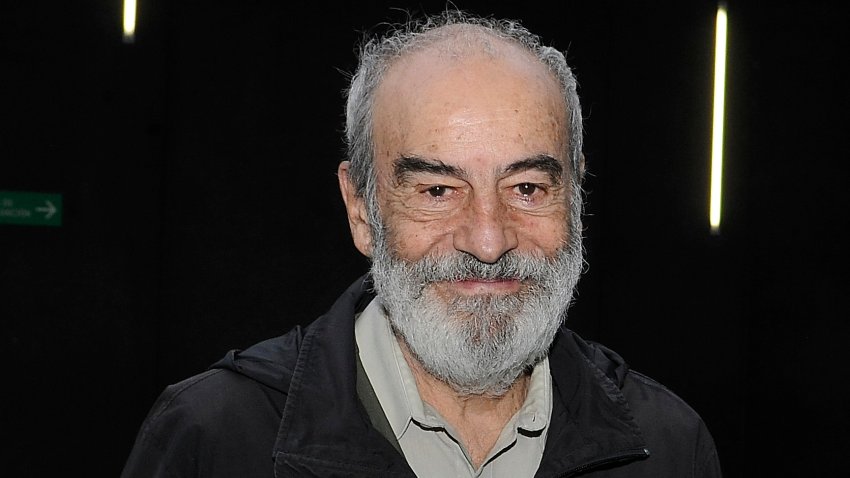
<point x="540" y="162"/>
<point x="405" y="166"/>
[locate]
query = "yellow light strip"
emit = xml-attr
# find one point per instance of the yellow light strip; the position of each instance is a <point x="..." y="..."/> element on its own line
<point x="129" y="21"/>
<point x="717" y="127"/>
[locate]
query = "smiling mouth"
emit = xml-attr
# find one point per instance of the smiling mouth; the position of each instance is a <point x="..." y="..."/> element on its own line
<point x="476" y="286"/>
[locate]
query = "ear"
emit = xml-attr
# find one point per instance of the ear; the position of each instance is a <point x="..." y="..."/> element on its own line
<point x="355" y="205"/>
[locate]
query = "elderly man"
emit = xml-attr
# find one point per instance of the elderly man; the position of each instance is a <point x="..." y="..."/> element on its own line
<point x="463" y="186"/>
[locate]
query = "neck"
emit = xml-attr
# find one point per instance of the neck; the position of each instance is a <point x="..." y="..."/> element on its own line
<point x="478" y="419"/>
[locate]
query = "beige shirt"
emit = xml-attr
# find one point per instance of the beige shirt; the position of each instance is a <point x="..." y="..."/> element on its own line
<point x="428" y="442"/>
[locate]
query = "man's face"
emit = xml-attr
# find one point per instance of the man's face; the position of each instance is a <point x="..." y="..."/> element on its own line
<point x="471" y="254"/>
<point x="471" y="157"/>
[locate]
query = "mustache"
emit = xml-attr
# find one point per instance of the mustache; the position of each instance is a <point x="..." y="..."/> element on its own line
<point x="461" y="266"/>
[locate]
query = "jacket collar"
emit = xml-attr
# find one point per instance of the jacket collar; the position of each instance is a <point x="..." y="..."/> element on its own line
<point x="325" y="430"/>
<point x="591" y="424"/>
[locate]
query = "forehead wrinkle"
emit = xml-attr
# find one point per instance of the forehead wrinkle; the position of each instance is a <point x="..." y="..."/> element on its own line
<point x="465" y="118"/>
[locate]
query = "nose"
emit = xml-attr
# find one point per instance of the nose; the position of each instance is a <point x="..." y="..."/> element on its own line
<point x="486" y="230"/>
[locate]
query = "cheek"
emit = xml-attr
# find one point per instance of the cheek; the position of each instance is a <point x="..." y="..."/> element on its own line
<point x="544" y="234"/>
<point x="411" y="234"/>
<point x="412" y="240"/>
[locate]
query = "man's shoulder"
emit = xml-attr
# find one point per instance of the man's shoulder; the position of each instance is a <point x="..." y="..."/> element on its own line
<point x="646" y="397"/>
<point x="671" y="427"/>
<point x="650" y="401"/>
<point x="630" y="412"/>
<point x="270" y="362"/>
<point x="675" y="433"/>
<point x="213" y="400"/>
<point x="246" y="387"/>
<point x="216" y="423"/>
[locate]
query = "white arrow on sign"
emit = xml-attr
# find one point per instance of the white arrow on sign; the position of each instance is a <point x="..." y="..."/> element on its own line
<point x="49" y="211"/>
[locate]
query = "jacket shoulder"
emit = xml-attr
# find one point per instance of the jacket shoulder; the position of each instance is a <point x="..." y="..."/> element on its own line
<point x="675" y="433"/>
<point x="222" y="422"/>
<point x="217" y="423"/>
<point x="270" y="362"/>
<point x="649" y="396"/>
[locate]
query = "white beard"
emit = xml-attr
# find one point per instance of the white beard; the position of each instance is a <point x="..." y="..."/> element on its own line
<point x="477" y="344"/>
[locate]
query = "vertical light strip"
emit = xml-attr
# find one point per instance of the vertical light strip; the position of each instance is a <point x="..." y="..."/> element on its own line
<point x="129" y="21"/>
<point x="717" y="127"/>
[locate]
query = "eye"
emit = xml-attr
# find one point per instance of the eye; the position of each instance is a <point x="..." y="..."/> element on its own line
<point x="527" y="189"/>
<point x="437" y="191"/>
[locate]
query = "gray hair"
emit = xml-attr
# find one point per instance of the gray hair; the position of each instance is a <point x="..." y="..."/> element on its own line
<point x="378" y="54"/>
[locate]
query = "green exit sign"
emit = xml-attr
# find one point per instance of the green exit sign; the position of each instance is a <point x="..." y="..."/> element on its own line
<point x="30" y="208"/>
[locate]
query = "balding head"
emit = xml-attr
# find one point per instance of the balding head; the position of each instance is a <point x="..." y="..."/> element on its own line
<point x="454" y="35"/>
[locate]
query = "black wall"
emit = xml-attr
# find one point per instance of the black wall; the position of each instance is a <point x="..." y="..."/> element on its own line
<point x="201" y="213"/>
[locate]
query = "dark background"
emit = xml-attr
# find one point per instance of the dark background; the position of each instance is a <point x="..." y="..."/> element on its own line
<point x="201" y="212"/>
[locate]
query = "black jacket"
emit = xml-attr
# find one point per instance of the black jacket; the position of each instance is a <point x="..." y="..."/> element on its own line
<point x="290" y="406"/>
